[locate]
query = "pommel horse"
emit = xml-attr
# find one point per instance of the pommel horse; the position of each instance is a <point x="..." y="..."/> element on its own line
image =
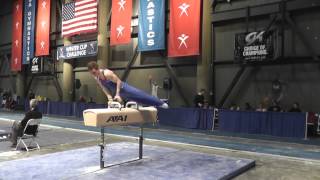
<point x="115" y="115"/>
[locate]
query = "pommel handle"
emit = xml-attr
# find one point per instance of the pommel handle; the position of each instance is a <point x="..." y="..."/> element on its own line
<point x="114" y="105"/>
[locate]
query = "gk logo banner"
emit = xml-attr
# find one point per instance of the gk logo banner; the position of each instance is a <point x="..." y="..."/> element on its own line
<point x="151" y="25"/>
<point x="254" y="46"/>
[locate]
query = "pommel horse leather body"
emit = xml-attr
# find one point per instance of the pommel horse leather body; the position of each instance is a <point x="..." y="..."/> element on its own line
<point x="119" y="116"/>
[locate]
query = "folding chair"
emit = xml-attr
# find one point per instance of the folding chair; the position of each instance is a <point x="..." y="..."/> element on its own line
<point x="31" y="137"/>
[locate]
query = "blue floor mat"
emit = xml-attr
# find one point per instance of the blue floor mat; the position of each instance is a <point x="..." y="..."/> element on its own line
<point x="158" y="163"/>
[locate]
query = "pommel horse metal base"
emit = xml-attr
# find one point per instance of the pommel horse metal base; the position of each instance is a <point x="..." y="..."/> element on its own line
<point x="116" y="115"/>
<point x="102" y="146"/>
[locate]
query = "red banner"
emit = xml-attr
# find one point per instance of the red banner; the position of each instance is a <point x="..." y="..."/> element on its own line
<point x="43" y="28"/>
<point x="121" y="22"/>
<point x="184" y="32"/>
<point x="17" y="26"/>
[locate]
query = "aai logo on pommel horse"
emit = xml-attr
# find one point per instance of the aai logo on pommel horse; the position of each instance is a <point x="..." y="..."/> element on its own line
<point x="117" y="118"/>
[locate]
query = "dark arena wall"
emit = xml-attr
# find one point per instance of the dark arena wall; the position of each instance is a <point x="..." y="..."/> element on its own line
<point x="297" y="71"/>
<point x="242" y="78"/>
<point x="117" y="57"/>
<point x="300" y="76"/>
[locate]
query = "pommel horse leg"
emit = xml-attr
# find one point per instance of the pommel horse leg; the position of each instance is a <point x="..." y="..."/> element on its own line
<point x="134" y="104"/>
<point x="102" y="149"/>
<point x="141" y="143"/>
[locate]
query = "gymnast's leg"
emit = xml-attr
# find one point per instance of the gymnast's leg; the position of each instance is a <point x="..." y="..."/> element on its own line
<point x="133" y="94"/>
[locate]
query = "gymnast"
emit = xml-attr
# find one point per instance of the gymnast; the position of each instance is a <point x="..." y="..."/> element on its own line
<point x="112" y="85"/>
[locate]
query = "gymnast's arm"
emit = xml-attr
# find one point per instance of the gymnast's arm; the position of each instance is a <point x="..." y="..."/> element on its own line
<point x="106" y="91"/>
<point x="114" y="78"/>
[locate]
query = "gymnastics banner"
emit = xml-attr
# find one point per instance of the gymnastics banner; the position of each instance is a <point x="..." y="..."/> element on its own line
<point x="16" y="50"/>
<point x="43" y="28"/>
<point x="151" y="25"/>
<point x="184" y="32"/>
<point x="121" y="22"/>
<point x="28" y="30"/>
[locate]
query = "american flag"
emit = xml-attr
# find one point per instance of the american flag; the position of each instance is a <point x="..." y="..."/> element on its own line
<point x="79" y="17"/>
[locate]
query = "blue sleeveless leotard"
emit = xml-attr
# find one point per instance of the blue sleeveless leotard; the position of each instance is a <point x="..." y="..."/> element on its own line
<point x="131" y="93"/>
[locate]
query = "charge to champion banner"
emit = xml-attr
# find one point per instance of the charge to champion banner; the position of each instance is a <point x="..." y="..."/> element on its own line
<point x="151" y="25"/>
<point x="77" y="50"/>
<point x="254" y="46"/>
<point x="28" y="30"/>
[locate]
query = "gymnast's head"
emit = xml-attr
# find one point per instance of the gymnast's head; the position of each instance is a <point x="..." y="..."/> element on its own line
<point x="93" y="68"/>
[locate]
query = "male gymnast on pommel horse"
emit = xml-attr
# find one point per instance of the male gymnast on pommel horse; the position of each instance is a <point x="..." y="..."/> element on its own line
<point x="112" y="85"/>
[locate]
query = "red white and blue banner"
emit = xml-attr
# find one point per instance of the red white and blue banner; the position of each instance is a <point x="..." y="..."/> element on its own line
<point x="121" y="22"/>
<point x="184" y="32"/>
<point x="43" y="28"/>
<point x="16" y="50"/>
<point x="151" y="25"/>
<point x="79" y="17"/>
<point x="28" y="30"/>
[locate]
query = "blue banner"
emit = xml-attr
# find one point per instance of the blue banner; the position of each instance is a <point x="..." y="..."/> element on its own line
<point x="151" y="25"/>
<point x="28" y="30"/>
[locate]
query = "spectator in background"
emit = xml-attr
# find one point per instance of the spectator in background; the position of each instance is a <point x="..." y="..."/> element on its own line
<point x="261" y="108"/>
<point x="8" y="103"/>
<point x="295" y="107"/>
<point x="4" y="102"/>
<point x="275" y="107"/>
<point x="233" y="107"/>
<point x="82" y="99"/>
<point x="91" y="100"/>
<point x="278" y="89"/>
<point x="206" y="105"/>
<point x="18" y="126"/>
<point x="248" y="107"/>
<point x="266" y="102"/>
<point x="18" y="100"/>
<point x="0" y="101"/>
<point x="154" y="86"/>
<point x="211" y="99"/>
<point x="12" y="104"/>
<point x="14" y="97"/>
<point x="31" y="95"/>
<point x="199" y="99"/>
<point x="5" y="95"/>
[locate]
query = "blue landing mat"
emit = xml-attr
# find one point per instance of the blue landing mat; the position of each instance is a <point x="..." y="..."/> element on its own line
<point x="158" y="163"/>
